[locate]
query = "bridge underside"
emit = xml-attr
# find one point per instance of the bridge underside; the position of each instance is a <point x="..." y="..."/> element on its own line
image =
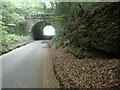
<point x="37" y="31"/>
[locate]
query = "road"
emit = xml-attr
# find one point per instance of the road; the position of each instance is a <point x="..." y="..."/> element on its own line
<point x="29" y="66"/>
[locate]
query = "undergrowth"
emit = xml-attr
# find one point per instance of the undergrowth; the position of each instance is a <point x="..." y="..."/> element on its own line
<point x="10" y="41"/>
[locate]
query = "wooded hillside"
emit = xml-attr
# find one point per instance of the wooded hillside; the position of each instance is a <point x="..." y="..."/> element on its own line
<point x="95" y="29"/>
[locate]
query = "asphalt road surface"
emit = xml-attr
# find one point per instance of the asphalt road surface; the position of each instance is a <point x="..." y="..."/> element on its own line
<point x="29" y="66"/>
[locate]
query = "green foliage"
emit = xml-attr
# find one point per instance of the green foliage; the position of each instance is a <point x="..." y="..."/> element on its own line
<point x="66" y="13"/>
<point x="71" y="9"/>
<point x="10" y="41"/>
<point x="97" y="29"/>
<point x="9" y="16"/>
<point x="55" y="42"/>
<point x="85" y="41"/>
<point x="29" y="9"/>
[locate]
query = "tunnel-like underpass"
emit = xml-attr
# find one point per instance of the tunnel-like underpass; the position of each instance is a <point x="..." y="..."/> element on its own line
<point x="42" y="31"/>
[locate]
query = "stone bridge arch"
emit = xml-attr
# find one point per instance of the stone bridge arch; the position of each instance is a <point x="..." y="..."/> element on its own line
<point x="37" y="30"/>
<point x="35" y="26"/>
<point x="29" y="23"/>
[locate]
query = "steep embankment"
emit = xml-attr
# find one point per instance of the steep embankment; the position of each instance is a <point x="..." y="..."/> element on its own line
<point x="95" y="37"/>
<point x="96" y="30"/>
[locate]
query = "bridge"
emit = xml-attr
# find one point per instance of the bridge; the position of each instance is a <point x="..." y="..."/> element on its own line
<point x="35" y="25"/>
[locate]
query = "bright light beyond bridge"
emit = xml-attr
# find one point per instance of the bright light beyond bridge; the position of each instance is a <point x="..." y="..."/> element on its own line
<point x="49" y="30"/>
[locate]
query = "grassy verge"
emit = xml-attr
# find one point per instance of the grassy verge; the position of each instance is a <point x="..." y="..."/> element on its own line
<point x="9" y="42"/>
